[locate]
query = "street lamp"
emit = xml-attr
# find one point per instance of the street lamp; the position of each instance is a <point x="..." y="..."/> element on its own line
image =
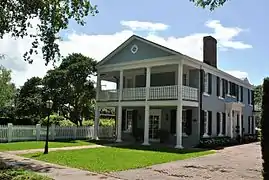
<point x="49" y="104"/>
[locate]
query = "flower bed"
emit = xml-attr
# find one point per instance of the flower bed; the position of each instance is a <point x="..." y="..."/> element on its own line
<point x="216" y="142"/>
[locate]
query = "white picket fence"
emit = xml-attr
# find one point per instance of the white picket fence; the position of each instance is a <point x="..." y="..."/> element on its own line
<point x="9" y="133"/>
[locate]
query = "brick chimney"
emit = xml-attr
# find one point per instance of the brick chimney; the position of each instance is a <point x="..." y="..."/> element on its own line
<point x="210" y="51"/>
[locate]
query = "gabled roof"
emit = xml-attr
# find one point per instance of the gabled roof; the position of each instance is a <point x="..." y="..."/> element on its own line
<point x="173" y="52"/>
<point x="135" y="37"/>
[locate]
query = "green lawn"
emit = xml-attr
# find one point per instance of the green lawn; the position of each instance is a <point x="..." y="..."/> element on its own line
<point x="39" y="144"/>
<point x="115" y="159"/>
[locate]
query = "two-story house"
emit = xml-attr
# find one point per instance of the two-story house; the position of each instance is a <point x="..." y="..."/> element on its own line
<point x="159" y="89"/>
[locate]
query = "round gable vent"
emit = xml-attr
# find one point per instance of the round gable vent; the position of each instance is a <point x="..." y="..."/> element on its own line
<point x="134" y="48"/>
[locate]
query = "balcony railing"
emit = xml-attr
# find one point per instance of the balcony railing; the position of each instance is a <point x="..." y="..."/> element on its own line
<point x="155" y="93"/>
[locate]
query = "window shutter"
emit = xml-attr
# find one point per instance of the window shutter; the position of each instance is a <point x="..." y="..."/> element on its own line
<point x="189" y="122"/>
<point x="248" y="124"/>
<point x="202" y="119"/>
<point x="173" y="121"/>
<point x="226" y="88"/>
<point x="209" y="122"/>
<point x="224" y="123"/>
<point x="252" y="98"/>
<point x="242" y="96"/>
<point x="242" y="124"/>
<point x="209" y="83"/>
<point x="223" y="88"/>
<point x="202" y="80"/>
<point x="218" y="123"/>
<point x="218" y="86"/>
<point x="123" y="120"/>
<point x="237" y="93"/>
<point x="248" y="96"/>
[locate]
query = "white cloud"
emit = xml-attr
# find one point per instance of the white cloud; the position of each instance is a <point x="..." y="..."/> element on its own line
<point x="98" y="46"/>
<point x="238" y="74"/>
<point x="144" y="26"/>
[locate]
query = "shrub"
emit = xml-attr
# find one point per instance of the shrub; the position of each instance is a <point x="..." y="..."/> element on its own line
<point x="264" y="129"/>
<point x="88" y="123"/>
<point x="102" y="123"/>
<point x="216" y="142"/>
<point x="107" y="122"/>
<point x="54" y="119"/>
<point x="66" y="122"/>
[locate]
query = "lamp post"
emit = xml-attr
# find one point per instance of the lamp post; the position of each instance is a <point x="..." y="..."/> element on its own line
<point x="49" y="104"/>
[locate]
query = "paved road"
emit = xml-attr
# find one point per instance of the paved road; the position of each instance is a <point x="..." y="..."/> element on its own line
<point x="234" y="163"/>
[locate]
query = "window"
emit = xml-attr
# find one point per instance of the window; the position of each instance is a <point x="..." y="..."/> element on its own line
<point x="185" y="80"/>
<point x="249" y="97"/>
<point x="128" y="121"/>
<point x="220" y="87"/>
<point x="209" y="122"/>
<point x="208" y="83"/>
<point x="224" y="88"/>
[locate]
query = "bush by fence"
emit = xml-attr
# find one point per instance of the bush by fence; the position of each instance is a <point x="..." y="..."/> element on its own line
<point x="9" y="133"/>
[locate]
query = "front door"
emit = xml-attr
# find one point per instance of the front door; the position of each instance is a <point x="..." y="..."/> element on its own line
<point x="154" y="124"/>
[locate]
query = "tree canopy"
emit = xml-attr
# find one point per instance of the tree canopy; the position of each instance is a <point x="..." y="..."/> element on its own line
<point x="7" y="89"/>
<point x="70" y="86"/>
<point x="52" y="16"/>
<point x="211" y="4"/>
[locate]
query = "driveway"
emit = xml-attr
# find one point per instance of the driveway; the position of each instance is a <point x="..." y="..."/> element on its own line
<point x="234" y="163"/>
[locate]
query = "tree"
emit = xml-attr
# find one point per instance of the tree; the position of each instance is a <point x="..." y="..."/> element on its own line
<point x="258" y="95"/>
<point x="70" y="86"/>
<point x="52" y="16"/>
<point x="212" y="4"/>
<point x="7" y="89"/>
<point x="264" y="127"/>
<point x="29" y="103"/>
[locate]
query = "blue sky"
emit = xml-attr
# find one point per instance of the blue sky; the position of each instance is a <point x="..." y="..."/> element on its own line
<point x="240" y="28"/>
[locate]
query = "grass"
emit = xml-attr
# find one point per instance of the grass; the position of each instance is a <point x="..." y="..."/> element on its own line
<point x="40" y="144"/>
<point x="18" y="174"/>
<point x="110" y="159"/>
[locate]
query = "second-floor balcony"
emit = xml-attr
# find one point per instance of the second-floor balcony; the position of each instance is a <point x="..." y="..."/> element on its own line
<point x="155" y="93"/>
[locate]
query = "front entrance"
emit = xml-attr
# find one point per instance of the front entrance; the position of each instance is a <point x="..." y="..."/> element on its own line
<point x="154" y="124"/>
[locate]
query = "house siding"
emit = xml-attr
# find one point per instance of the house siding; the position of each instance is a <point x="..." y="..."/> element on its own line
<point x="145" y="51"/>
<point x="215" y="104"/>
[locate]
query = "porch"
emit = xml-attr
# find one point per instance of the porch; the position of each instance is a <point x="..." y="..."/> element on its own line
<point x="161" y="125"/>
<point x="165" y="82"/>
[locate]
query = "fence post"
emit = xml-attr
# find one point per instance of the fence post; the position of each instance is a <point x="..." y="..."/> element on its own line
<point x="52" y="132"/>
<point x="75" y="132"/>
<point x="9" y="132"/>
<point x="38" y="129"/>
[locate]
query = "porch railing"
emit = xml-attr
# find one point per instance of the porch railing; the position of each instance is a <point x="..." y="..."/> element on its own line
<point x="134" y="93"/>
<point x="109" y="95"/>
<point x="155" y="93"/>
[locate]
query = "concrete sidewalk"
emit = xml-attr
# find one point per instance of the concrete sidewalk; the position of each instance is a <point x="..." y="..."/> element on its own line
<point x="56" y="172"/>
<point x="53" y="149"/>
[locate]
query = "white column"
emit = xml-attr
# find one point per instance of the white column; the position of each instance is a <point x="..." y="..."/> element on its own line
<point x="179" y="107"/>
<point x="205" y="125"/>
<point x="121" y="85"/>
<point x="148" y="82"/>
<point x="220" y="126"/>
<point x="119" y="123"/>
<point x="226" y="123"/>
<point x="240" y="123"/>
<point x="98" y="86"/>
<point x="231" y="123"/>
<point x="96" y="122"/>
<point x="146" y="126"/>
